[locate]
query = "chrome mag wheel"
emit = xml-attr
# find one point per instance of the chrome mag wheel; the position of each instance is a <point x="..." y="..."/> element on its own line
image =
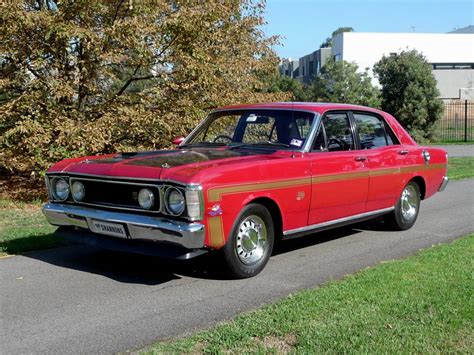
<point x="409" y="203"/>
<point x="252" y="240"/>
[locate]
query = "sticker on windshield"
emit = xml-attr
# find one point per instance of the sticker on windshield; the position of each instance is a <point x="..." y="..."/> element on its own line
<point x="296" y="143"/>
<point x="252" y="118"/>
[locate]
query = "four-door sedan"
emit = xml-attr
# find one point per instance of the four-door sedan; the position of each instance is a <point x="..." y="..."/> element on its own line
<point x="243" y="178"/>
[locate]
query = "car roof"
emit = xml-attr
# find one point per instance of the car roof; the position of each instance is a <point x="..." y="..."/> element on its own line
<point x="318" y="107"/>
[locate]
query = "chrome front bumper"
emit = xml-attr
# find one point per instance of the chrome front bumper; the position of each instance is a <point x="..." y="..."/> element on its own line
<point x="139" y="227"/>
<point x="444" y="182"/>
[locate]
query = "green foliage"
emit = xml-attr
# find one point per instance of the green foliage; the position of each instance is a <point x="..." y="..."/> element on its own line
<point x="341" y="82"/>
<point x="409" y="92"/>
<point x="285" y="84"/>
<point x="89" y="77"/>
<point x="328" y="42"/>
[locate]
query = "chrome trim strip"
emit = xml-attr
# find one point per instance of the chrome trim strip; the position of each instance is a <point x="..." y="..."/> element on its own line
<point x="444" y="183"/>
<point x="185" y="234"/>
<point x="336" y="221"/>
<point x="72" y="178"/>
<point x="109" y="177"/>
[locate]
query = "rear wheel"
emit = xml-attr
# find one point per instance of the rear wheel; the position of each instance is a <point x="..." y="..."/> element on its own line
<point x="251" y="242"/>
<point x="406" y="210"/>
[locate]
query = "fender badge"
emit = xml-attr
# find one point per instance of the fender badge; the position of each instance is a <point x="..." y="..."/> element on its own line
<point x="300" y="195"/>
<point x="215" y="210"/>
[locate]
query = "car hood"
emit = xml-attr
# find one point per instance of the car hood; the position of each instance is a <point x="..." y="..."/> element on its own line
<point x="184" y="165"/>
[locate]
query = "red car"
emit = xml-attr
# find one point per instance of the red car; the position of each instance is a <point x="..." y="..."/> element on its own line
<point x="245" y="177"/>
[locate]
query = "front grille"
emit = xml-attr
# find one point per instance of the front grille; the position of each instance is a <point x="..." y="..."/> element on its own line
<point x="116" y="194"/>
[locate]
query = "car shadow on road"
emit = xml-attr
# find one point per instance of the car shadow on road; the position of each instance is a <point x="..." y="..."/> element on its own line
<point x="148" y="270"/>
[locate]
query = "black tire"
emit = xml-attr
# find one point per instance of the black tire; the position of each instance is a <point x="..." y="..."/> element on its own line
<point x="254" y="223"/>
<point x="404" y="215"/>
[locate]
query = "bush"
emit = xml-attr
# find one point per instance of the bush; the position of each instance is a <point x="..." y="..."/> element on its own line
<point x="409" y="92"/>
<point x="90" y="77"/>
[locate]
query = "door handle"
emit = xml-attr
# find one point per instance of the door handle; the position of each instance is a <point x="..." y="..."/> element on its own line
<point x="360" y="158"/>
<point x="403" y="152"/>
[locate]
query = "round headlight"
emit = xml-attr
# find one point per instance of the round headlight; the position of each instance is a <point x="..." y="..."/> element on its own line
<point x="60" y="189"/>
<point x="175" y="202"/>
<point x="146" y="199"/>
<point x="78" y="191"/>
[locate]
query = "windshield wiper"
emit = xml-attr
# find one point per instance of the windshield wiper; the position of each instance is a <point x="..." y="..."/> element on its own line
<point x="279" y="144"/>
<point x="202" y="144"/>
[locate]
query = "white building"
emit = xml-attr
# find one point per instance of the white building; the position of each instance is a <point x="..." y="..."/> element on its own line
<point x="450" y="54"/>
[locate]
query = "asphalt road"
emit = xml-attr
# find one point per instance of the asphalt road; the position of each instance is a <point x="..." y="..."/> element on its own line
<point x="77" y="300"/>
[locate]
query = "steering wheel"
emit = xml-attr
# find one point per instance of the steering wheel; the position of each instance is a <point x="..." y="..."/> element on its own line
<point x="221" y="136"/>
<point x="337" y="141"/>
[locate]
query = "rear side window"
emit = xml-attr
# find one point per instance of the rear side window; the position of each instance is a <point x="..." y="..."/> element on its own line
<point x="372" y="131"/>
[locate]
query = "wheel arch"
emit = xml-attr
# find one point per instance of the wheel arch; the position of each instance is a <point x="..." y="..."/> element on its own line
<point x="275" y="212"/>
<point x="421" y="184"/>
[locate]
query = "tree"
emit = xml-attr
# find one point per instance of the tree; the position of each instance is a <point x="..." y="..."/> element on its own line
<point x="88" y="77"/>
<point x="341" y="82"/>
<point x="328" y="42"/>
<point x="409" y="92"/>
<point x="285" y="84"/>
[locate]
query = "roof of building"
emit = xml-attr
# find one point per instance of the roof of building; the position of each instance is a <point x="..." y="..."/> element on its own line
<point x="467" y="29"/>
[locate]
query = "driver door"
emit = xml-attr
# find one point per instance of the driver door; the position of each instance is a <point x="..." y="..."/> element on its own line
<point x="340" y="174"/>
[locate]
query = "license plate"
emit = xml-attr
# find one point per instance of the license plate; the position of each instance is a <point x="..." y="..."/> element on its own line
<point x="112" y="229"/>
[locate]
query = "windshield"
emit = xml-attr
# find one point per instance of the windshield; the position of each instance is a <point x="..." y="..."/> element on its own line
<point x="269" y="128"/>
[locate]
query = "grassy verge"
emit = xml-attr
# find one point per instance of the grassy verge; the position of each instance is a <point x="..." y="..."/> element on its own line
<point x="23" y="228"/>
<point x="420" y="304"/>
<point x="461" y="168"/>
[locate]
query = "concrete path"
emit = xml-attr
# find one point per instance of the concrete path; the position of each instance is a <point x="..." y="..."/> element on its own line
<point x="77" y="300"/>
<point x="461" y="150"/>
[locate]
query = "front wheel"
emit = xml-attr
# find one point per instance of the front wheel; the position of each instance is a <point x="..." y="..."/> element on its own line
<point x="406" y="210"/>
<point x="251" y="242"/>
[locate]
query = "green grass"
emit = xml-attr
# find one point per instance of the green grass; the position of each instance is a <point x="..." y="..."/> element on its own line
<point x="421" y="304"/>
<point x="24" y="228"/>
<point x="461" y="168"/>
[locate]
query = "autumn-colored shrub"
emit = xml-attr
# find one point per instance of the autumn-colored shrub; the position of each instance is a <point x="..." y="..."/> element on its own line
<point x="90" y="77"/>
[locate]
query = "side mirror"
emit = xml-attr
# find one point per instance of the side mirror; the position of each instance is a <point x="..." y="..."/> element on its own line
<point x="177" y="140"/>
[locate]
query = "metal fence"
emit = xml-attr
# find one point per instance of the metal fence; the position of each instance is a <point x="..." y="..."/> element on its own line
<point x="457" y="124"/>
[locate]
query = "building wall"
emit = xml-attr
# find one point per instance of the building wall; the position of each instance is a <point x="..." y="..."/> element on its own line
<point x="365" y="49"/>
<point x="455" y="83"/>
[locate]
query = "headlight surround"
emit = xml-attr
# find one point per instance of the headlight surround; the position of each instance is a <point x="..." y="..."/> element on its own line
<point x="60" y="189"/>
<point x="174" y="201"/>
<point x="78" y="191"/>
<point x="146" y="199"/>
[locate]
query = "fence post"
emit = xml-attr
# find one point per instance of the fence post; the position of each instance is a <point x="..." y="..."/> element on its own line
<point x="465" y="121"/>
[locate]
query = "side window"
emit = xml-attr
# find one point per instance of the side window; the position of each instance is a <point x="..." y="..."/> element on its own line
<point x="338" y="132"/>
<point x="320" y="142"/>
<point x="371" y="130"/>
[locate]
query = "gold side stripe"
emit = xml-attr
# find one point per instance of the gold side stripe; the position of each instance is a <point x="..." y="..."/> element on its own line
<point x="339" y="177"/>
<point x="215" y="223"/>
<point x="215" y="194"/>
<point x="216" y="232"/>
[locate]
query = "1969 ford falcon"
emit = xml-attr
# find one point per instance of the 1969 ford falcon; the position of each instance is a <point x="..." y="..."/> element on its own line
<point x="245" y="177"/>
